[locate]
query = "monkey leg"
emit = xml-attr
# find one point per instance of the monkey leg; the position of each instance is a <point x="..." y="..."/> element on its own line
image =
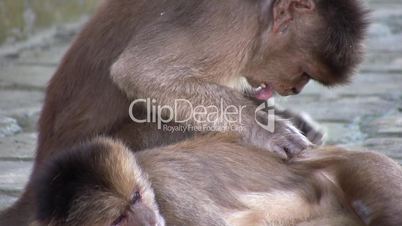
<point x="371" y="182"/>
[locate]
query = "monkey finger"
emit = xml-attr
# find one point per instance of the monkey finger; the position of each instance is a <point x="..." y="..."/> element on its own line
<point x="299" y="140"/>
<point x="279" y="150"/>
<point x="316" y="137"/>
<point x="292" y="150"/>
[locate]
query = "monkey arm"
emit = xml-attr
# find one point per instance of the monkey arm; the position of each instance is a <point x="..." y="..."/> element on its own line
<point x="381" y="180"/>
<point x="371" y="182"/>
<point x="302" y="121"/>
<point x="310" y="128"/>
<point x="222" y="108"/>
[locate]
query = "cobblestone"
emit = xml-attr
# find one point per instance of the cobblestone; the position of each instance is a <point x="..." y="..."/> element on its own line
<point x="364" y="114"/>
<point x="18" y="147"/>
<point x="29" y="77"/>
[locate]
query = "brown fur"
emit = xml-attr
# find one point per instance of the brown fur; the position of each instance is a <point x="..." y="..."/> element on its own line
<point x="215" y="180"/>
<point x="196" y="50"/>
<point x="82" y="180"/>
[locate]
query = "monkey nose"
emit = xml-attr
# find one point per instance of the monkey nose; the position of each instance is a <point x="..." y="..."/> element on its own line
<point x="295" y="91"/>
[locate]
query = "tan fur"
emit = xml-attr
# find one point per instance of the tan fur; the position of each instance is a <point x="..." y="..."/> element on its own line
<point x="217" y="180"/>
<point x="277" y="205"/>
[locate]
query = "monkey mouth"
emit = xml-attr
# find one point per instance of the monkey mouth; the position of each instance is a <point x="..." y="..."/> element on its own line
<point x="257" y="89"/>
<point x="262" y="92"/>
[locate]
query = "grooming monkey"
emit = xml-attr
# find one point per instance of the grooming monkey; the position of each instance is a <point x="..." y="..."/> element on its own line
<point x="200" y="50"/>
<point x="216" y="180"/>
<point x="244" y="56"/>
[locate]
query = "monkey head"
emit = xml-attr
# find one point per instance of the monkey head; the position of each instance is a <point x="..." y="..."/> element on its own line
<point x="98" y="183"/>
<point x="301" y="40"/>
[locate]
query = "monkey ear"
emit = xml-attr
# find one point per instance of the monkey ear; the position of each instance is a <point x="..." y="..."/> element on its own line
<point x="282" y="15"/>
<point x="303" y="5"/>
<point x="284" y="11"/>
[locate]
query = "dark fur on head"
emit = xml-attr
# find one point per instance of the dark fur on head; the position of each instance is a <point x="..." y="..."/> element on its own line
<point x="68" y="183"/>
<point x="63" y="181"/>
<point x="339" y="42"/>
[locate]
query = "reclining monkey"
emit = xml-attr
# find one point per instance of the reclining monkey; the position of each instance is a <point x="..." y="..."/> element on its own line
<point x="216" y="180"/>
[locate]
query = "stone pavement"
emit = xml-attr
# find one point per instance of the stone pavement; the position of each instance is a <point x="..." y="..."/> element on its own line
<point x="367" y="113"/>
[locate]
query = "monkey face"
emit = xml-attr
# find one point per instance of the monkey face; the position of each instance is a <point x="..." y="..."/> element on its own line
<point x="285" y="74"/>
<point x="280" y="65"/>
<point x="99" y="183"/>
<point x="138" y="214"/>
<point x="302" y="43"/>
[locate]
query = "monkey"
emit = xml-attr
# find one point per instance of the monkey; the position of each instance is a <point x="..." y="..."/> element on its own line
<point x="216" y="180"/>
<point x="260" y="68"/>
<point x="207" y="52"/>
<point x="204" y="51"/>
<point x="139" y="195"/>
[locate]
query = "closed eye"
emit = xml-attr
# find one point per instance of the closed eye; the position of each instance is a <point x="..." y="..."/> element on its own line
<point x="120" y="220"/>
<point x="136" y="198"/>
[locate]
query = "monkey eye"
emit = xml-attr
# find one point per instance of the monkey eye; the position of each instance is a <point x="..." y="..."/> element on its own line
<point x="120" y="220"/>
<point x="136" y="198"/>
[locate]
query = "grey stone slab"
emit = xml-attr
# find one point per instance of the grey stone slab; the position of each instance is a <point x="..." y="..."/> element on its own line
<point x="381" y="68"/>
<point x="14" y="175"/>
<point x="12" y="99"/>
<point x="8" y="126"/>
<point x="25" y="76"/>
<point x="18" y="147"/>
<point x="385" y="9"/>
<point x="371" y="84"/>
<point x="27" y="118"/>
<point x="340" y="133"/>
<point x="367" y="84"/>
<point x="381" y="59"/>
<point x="388" y="43"/>
<point x="391" y="147"/>
<point x="6" y="201"/>
<point x="23" y="106"/>
<point x="398" y="61"/>
<point x="382" y="63"/>
<point x="43" y="56"/>
<point x="346" y="109"/>
<point x="388" y="125"/>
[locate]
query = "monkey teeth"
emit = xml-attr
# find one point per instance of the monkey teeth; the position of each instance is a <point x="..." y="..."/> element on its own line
<point x="259" y="88"/>
<point x="263" y="92"/>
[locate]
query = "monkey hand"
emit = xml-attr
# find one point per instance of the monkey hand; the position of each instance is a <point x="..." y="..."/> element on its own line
<point x="280" y="137"/>
<point x="308" y="127"/>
